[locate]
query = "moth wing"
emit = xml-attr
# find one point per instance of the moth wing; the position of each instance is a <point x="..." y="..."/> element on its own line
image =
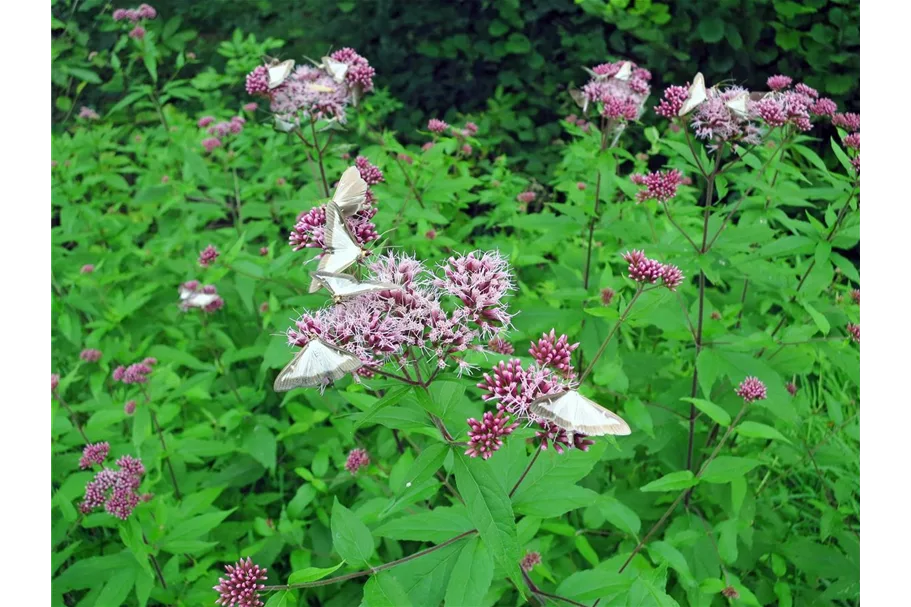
<point x="343" y="248"/>
<point x="696" y="95"/>
<point x="185" y="293"/>
<point x="626" y="70"/>
<point x="313" y="364"/>
<point x="758" y="95"/>
<point x="572" y="411"/>
<point x="351" y="192"/>
<point x="738" y="104"/>
<point x="279" y="73"/>
<point x="336" y="69"/>
<point x="197" y="300"/>
<point x="579" y="98"/>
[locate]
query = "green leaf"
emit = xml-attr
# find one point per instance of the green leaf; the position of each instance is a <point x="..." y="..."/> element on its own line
<point x="117" y="588"/>
<point x="675" y="481"/>
<point x="471" y="577"/>
<point x="437" y="525"/>
<point x="548" y="501"/>
<point x="822" y="323"/>
<point x="711" y="29"/>
<point x="716" y="413"/>
<point x="260" y="443"/>
<point x="384" y="590"/>
<point x="620" y="515"/>
<point x="311" y="574"/>
<point x="427" y="463"/>
<point x="392" y="396"/>
<point x="757" y="430"/>
<point x="281" y="599"/>
<point x="167" y="354"/>
<point x="725" y="468"/>
<point x="490" y="510"/>
<point x="350" y="536"/>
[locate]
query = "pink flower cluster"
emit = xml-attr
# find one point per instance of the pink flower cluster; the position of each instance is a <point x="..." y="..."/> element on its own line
<point x="313" y="91"/>
<point x="55" y="381"/>
<point x="500" y="346"/>
<point x="87" y="269"/>
<point x="648" y="271"/>
<point x="308" y="230"/>
<point x="485" y="437"/>
<point x="193" y="286"/>
<point x="513" y="388"/>
<point x="751" y="389"/>
<point x="779" y="83"/>
<point x="673" y="99"/>
<point x="94" y="454"/>
<point x="208" y="256"/>
<point x="795" y="106"/>
<point x="219" y="131"/>
<point x="854" y="331"/>
<point x="848" y="121"/>
<point x="435" y="125"/>
<point x="527" y="197"/>
<point x="579" y="122"/>
<point x="242" y="585"/>
<point x="713" y="120"/>
<point x="137" y="373"/>
<point x="135" y="15"/>
<point x="619" y="98"/>
<point x="357" y="459"/>
<point x="382" y="327"/>
<point x="90" y="355"/>
<point x="87" y="113"/>
<point x="530" y="560"/>
<point x="659" y="185"/>
<point x="116" y="490"/>
<point x="550" y="351"/>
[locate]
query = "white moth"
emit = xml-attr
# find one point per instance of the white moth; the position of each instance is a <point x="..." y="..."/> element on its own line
<point x="738" y="104"/>
<point x="336" y="69"/>
<point x="195" y="299"/>
<point x="316" y="363"/>
<point x="279" y="72"/>
<point x="284" y="126"/>
<point x="625" y="71"/>
<point x="579" y="415"/>
<point x="696" y="95"/>
<point x="341" y="247"/>
<point x="351" y="192"/>
<point x="580" y="99"/>
<point x="344" y="286"/>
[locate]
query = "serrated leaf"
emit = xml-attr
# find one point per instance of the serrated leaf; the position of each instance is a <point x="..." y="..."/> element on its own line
<point x="725" y="468"/>
<point x="471" y="577"/>
<point x="490" y="510"/>
<point x="311" y="574"/>
<point x="350" y="536"/>
<point x="392" y="396"/>
<point x="675" y="481"/>
<point x="716" y="413"/>
<point x="384" y="590"/>
<point x="757" y="430"/>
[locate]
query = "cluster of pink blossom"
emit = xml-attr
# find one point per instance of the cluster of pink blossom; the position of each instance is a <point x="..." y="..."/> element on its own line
<point x="647" y="271"/>
<point x="526" y="196"/>
<point x="500" y="346"/>
<point x="751" y="389"/>
<point x="855" y="296"/>
<point x="435" y="125"/>
<point x="116" y="490"/>
<point x="55" y="381"/>
<point x="191" y="287"/>
<point x="795" y="106"/>
<point x="854" y="331"/>
<point x="87" y="113"/>
<point x="714" y="120"/>
<point x="579" y="122"/>
<point x="383" y="327"/>
<point x="308" y="230"/>
<point x="218" y="132"/>
<point x="513" y="388"/>
<point x="241" y="587"/>
<point x="530" y="560"/>
<point x="313" y="91"/>
<point x="208" y="256"/>
<point x="87" y="269"/>
<point x="607" y="296"/>
<point x="485" y="437"/>
<point x="619" y="98"/>
<point x="851" y="123"/>
<point x="137" y="373"/>
<point x="659" y="185"/>
<point x="357" y="459"/>
<point x="135" y="15"/>
<point x="90" y="355"/>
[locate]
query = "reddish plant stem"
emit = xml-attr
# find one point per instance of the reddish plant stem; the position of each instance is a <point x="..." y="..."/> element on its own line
<point x="164" y="446"/>
<point x="72" y="416"/>
<point x="525" y="473"/>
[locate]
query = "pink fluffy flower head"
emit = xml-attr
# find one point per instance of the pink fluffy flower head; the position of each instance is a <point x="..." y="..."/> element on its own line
<point x="641" y="268"/>
<point x="527" y="197"/>
<point x="369" y="172"/>
<point x="208" y="256"/>
<point x="129" y="407"/>
<point x="714" y="121"/>
<point x="115" y="490"/>
<point x="751" y="389"/>
<point x="618" y="98"/>
<point x="210" y="143"/>
<point x="607" y="296"/>
<point x="671" y="276"/>
<point x="852" y="141"/>
<point x="360" y="73"/>
<point x="855" y="296"/>
<point x="485" y="437"/>
<point x="242" y="585"/>
<point x="90" y="355"/>
<point x="555" y="353"/>
<point x="137" y="373"/>
<point x="55" y="381"/>
<point x="848" y="121"/>
<point x="552" y="434"/>
<point x="791" y="387"/>
<point x="824" y="107"/>
<point x="435" y="125"/>
<point x="659" y="185"/>
<point x="480" y="279"/>
<point x="779" y="83"/>
<point x="87" y="269"/>
<point x="257" y="82"/>
<point x="94" y="455"/>
<point x="672" y="101"/>
<point x="87" y="113"/>
<point x="357" y="459"/>
<point x="309" y="230"/>
<point x="530" y="560"/>
<point x="205" y="121"/>
<point x="138" y="33"/>
<point x="250" y="107"/>
<point x="500" y="346"/>
<point x="471" y="129"/>
<point x="854" y="331"/>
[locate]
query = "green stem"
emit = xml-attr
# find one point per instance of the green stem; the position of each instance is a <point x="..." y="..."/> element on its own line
<point x="319" y="157"/>
<point x="594" y="218"/>
<point x="607" y="339"/>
